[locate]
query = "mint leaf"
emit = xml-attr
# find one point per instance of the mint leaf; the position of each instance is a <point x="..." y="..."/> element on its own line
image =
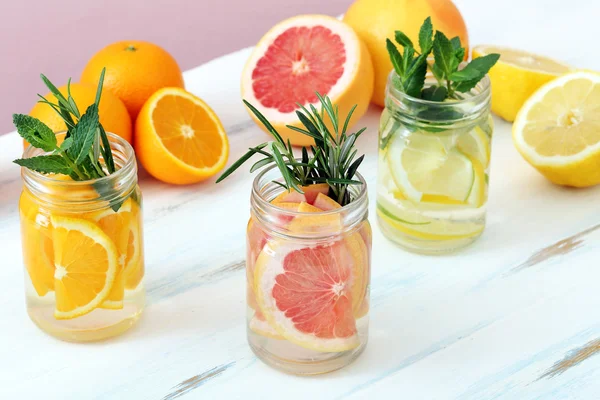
<point x="403" y="40"/>
<point x="66" y="144"/>
<point x="484" y="64"/>
<point x="426" y="36"/>
<point x="465" y="86"/>
<point x="35" y="132"/>
<point x="395" y="57"/>
<point x="84" y="134"/>
<point x="456" y="43"/>
<point x="473" y="72"/>
<point x="434" y="93"/>
<point x="50" y="164"/>
<point x="415" y="82"/>
<point x="443" y="53"/>
<point x="407" y="58"/>
<point x="466" y="74"/>
<point x="460" y="55"/>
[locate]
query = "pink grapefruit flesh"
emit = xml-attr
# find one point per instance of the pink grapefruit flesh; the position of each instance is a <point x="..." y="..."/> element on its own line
<point x="301" y="61"/>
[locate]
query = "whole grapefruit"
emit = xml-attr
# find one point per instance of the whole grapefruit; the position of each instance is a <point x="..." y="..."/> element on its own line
<point x="376" y="20"/>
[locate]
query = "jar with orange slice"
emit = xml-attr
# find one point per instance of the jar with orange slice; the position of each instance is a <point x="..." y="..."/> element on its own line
<point x="308" y="250"/>
<point x="81" y="224"/>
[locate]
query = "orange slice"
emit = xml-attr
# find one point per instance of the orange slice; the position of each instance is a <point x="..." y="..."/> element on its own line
<point x="38" y="253"/>
<point x="179" y="139"/>
<point x="134" y="259"/>
<point x="86" y="262"/>
<point x="118" y="226"/>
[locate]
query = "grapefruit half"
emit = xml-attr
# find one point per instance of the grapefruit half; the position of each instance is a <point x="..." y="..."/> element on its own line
<point x="299" y="57"/>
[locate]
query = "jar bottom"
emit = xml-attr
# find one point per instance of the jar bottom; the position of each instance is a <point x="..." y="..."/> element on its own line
<point x="424" y="246"/>
<point x="329" y="362"/>
<point x="293" y="359"/>
<point x="99" y="324"/>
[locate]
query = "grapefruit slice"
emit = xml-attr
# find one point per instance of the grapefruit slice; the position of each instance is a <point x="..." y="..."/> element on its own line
<point x="258" y="324"/>
<point x="305" y="293"/>
<point x="301" y="56"/>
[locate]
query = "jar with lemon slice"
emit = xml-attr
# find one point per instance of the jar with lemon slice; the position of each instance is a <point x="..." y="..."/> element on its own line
<point x="433" y="168"/>
<point x="83" y="249"/>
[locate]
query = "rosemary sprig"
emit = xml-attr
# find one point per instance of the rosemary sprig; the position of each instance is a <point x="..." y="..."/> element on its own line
<point x="331" y="160"/>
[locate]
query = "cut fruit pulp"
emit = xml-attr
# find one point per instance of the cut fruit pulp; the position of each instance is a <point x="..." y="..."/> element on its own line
<point x="299" y="57"/>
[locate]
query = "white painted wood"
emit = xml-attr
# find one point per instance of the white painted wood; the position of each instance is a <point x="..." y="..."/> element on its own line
<point x="506" y="318"/>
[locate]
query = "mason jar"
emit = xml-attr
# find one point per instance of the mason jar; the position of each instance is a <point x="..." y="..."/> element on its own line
<point x="433" y="172"/>
<point x="308" y="274"/>
<point x="83" y="249"/>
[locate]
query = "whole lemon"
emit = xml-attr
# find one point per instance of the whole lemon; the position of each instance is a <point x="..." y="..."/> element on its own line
<point x="376" y="20"/>
<point x="113" y="114"/>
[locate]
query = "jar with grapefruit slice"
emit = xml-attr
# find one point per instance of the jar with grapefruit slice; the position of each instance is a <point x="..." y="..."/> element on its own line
<point x="81" y="224"/>
<point x="308" y="252"/>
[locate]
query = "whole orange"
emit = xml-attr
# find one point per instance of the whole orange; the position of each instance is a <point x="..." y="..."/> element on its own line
<point x="376" y="20"/>
<point x="134" y="71"/>
<point x="113" y="114"/>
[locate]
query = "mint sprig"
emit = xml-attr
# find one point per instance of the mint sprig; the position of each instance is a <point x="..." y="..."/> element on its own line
<point x="85" y="141"/>
<point x="448" y="54"/>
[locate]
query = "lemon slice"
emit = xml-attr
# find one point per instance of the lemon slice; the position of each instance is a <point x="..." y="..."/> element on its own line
<point x="516" y="76"/>
<point x="558" y="130"/>
<point x="476" y="144"/>
<point x="424" y="164"/>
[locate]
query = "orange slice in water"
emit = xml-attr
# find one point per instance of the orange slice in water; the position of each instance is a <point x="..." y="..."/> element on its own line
<point x="179" y="139"/>
<point x="86" y="262"/>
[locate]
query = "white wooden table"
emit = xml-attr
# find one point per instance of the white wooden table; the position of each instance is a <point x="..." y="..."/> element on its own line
<point x="515" y="316"/>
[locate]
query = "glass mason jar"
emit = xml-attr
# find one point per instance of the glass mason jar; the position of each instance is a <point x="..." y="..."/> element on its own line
<point x="308" y="276"/>
<point x="83" y="249"/>
<point x="433" y="173"/>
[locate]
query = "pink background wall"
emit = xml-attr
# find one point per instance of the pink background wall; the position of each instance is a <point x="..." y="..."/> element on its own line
<point x="57" y="37"/>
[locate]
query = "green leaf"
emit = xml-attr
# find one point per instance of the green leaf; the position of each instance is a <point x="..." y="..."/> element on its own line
<point x="106" y="151"/>
<point x="414" y="84"/>
<point x="66" y="144"/>
<point x="348" y="118"/>
<point x="437" y="72"/>
<point x="35" y="132"/>
<point x="434" y="93"/>
<point x="50" y="164"/>
<point x="100" y="84"/>
<point x="475" y="71"/>
<point x="407" y="60"/>
<point x="403" y="40"/>
<point x="395" y="57"/>
<point x="443" y="53"/>
<point x="352" y="169"/>
<point x="456" y="43"/>
<point x="460" y="55"/>
<point x="265" y="122"/>
<point x="466" y="86"/>
<point x="84" y="134"/>
<point x="261" y="163"/>
<point x="241" y="161"/>
<point x="466" y="74"/>
<point x="426" y="36"/>
<point x="71" y="100"/>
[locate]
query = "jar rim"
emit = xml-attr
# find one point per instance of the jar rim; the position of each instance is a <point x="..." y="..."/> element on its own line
<point x="87" y="195"/>
<point x="256" y="191"/>
<point x="482" y="95"/>
<point x="269" y="215"/>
